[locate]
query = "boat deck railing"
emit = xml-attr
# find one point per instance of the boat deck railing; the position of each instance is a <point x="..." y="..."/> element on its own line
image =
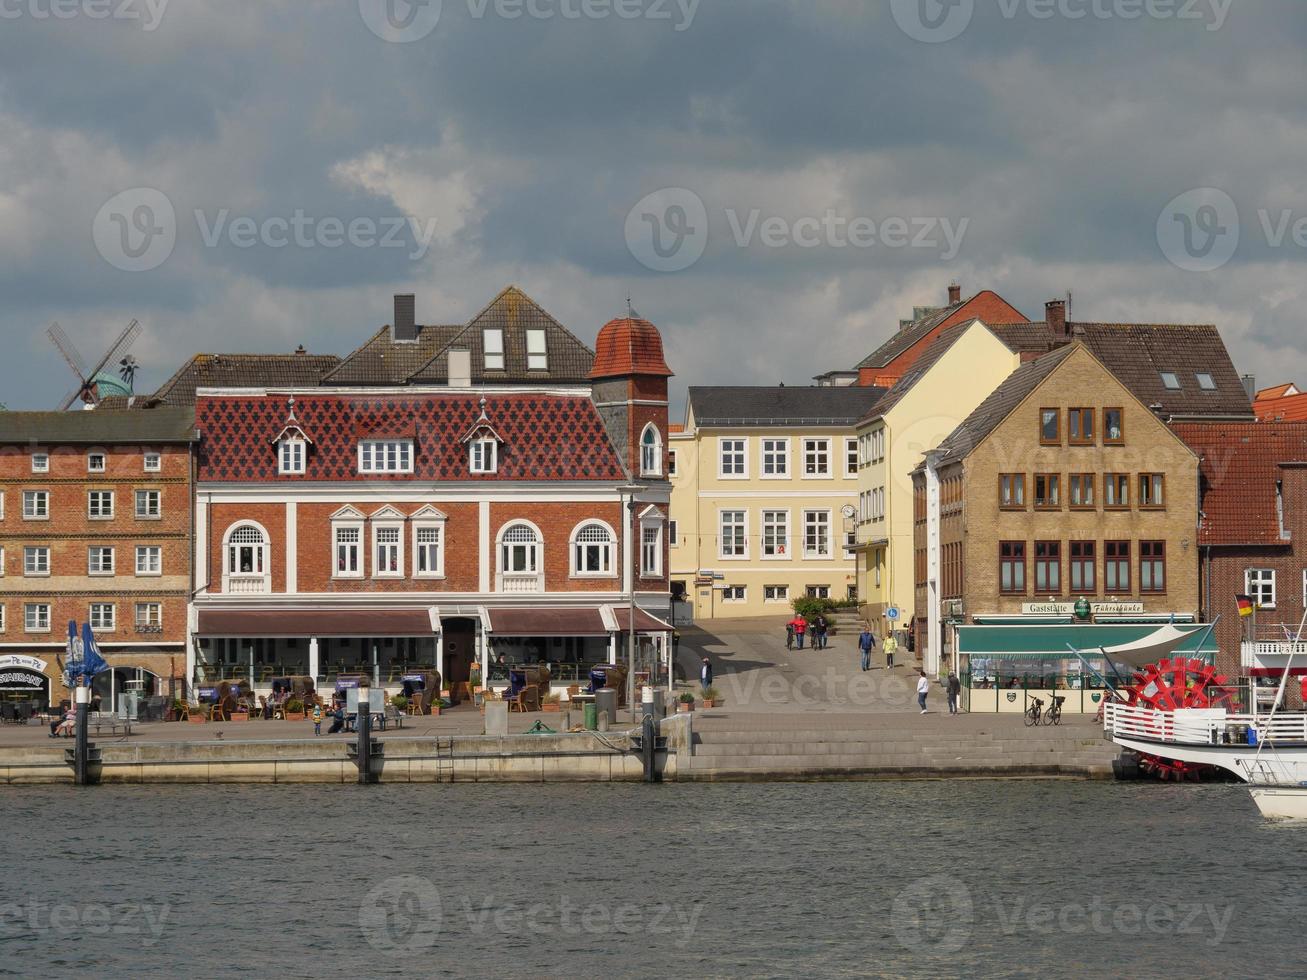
<point x="1202" y="726"/>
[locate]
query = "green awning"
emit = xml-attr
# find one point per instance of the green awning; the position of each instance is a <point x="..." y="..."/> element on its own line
<point x="1051" y="642"/>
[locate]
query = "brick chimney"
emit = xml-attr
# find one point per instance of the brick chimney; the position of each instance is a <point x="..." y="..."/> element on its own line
<point x="1055" y="317"/>
<point x="404" y="329"/>
<point x="954" y="294"/>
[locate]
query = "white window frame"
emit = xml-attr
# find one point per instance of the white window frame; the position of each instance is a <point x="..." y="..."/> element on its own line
<point x="97" y="456"/>
<point x="779" y="452"/>
<point x="398" y="545"/>
<point x="850" y="543"/>
<point x="779" y="593"/>
<point x="374" y="456"/>
<point x="740" y="456"/>
<point x="105" y="569"/>
<point x="492" y="353"/>
<point x="152" y="462"/>
<point x="742" y="524"/>
<point x="292" y="456"/>
<point x="91" y="515"/>
<point x="729" y="593"/>
<point x="537" y="350"/>
<point x="422" y="547"/>
<point x="108" y="625"/>
<point x="850" y="457"/>
<point x="2" y="561"/>
<point x="533" y="575"/>
<point x="1254" y="581"/>
<point x="574" y="545"/>
<point x="144" y="554"/>
<point x="146" y="495"/>
<point x="36" y="561"/>
<point x="40" y="462"/>
<point x="356" y="528"/>
<point x="31" y="512"/>
<point x="148" y="622"/>
<point x="3" y="623"/>
<point x="261" y="552"/>
<point x="671" y="462"/>
<point x="483" y="455"/>
<point x="651" y="548"/>
<point x="42" y="618"/>
<point x="786" y="551"/>
<point x="808" y="522"/>
<point x="814" y="447"/>
<point x="651" y="453"/>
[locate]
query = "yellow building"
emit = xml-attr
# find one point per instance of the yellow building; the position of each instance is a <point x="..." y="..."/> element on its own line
<point x="764" y="497"/>
<point x="956" y="373"/>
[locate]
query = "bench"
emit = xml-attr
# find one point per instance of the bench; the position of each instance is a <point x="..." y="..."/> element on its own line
<point x="107" y="719"/>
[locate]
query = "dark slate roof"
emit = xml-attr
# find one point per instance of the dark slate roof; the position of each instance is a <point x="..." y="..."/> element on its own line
<point x="757" y="406"/>
<point x="100" y="426"/>
<point x="383" y="362"/>
<point x="231" y="371"/>
<point x="1024" y="338"/>
<point x="545" y="437"/>
<point x="990" y="413"/>
<point x="514" y="312"/>
<point x="909" y="335"/>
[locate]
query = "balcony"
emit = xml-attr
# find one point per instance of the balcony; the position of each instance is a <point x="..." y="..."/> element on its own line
<point x="1272" y="647"/>
<point x="521" y="584"/>
<point x="246" y="585"/>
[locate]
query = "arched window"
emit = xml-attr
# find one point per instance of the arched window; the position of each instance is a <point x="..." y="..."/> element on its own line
<point x="246" y="559"/>
<point x="651" y="452"/>
<point x="592" y="549"/>
<point x="520" y="550"/>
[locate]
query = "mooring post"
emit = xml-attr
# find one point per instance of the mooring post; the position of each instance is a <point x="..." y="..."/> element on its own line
<point x="81" y="750"/>
<point x="648" y="733"/>
<point x="365" y="741"/>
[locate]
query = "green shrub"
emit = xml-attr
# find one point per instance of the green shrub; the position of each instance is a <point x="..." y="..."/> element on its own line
<point x="810" y="609"/>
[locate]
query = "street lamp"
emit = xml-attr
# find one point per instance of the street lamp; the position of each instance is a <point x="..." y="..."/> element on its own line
<point x="629" y="491"/>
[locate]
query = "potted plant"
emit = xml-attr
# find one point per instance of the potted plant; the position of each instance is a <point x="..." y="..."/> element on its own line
<point x="551" y="702"/>
<point x="686" y="703"/>
<point x="400" y="701"/>
<point x="178" y="709"/>
<point x="195" y="714"/>
<point x="711" y="697"/>
<point x="294" y="710"/>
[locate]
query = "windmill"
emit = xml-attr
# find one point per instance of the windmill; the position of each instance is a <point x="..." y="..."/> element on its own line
<point x="94" y="385"/>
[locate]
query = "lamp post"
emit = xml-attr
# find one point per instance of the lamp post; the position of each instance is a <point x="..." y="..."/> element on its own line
<point x="632" y="544"/>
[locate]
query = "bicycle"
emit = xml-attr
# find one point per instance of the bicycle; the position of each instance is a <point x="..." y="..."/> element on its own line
<point x="1033" y="712"/>
<point x="1054" y="714"/>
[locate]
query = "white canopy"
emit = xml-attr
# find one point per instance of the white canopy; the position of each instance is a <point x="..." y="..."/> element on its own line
<point x="1148" y="649"/>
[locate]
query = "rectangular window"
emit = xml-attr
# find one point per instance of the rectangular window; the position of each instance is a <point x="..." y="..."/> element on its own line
<point x="1048" y="567"/>
<point x="1116" y="567"/>
<point x="733" y="540"/>
<point x="1048" y="491"/>
<point x="386" y="456"/>
<point x="1152" y="566"/>
<point x="99" y="561"/>
<point x="816" y="457"/>
<point x="1205" y="381"/>
<point x="775" y="593"/>
<point x="36" y="505"/>
<point x="99" y="505"/>
<point x="671" y="462"/>
<point x="673" y="535"/>
<point x="733" y="593"/>
<point x="153" y="462"/>
<point x="103" y="616"/>
<point x="537" y="358"/>
<point x="816" y="534"/>
<point x="1113" y="426"/>
<point x="818" y="591"/>
<point x="95" y="462"/>
<point x="1012" y="567"/>
<point x="36" y="560"/>
<point x="775" y="533"/>
<point x="1082" y="491"/>
<point x="1080" y="426"/>
<point x="40" y="462"/>
<point x="149" y="616"/>
<point x="1012" y="491"/>
<point x="36" y="617"/>
<point x="1083" y="579"/>
<point x="1259" y="583"/>
<point x="484" y="453"/>
<point x="386" y="558"/>
<point x="291" y="456"/>
<point x="1116" y="491"/>
<point x="493" y="343"/>
<point x="850" y="457"/>
<point x="1170" y="381"/>
<point x="850" y="542"/>
<point x="347" y="552"/>
<point x="147" y="505"/>
<point x="651" y="552"/>
<point x="730" y="455"/>
<point x="2" y="618"/>
<point x="775" y="458"/>
<point x="430" y="561"/>
<point x="149" y="560"/>
<point x="1050" y="427"/>
<point x="1152" y="491"/>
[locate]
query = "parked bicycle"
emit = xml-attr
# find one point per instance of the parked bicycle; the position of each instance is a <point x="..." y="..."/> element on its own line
<point x="1033" y="712"/>
<point x="1053" y="716"/>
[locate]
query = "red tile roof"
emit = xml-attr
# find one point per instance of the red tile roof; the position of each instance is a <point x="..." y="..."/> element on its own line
<point x="1281" y="408"/>
<point x="1278" y="391"/>
<point x="629" y="346"/>
<point x="1240" y="464"/>
<point x="546" y="437"/>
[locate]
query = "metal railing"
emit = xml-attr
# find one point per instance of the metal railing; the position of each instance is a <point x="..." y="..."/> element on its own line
<point x="1201" y="726"/>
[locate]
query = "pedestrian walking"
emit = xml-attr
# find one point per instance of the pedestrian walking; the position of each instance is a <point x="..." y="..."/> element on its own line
<point x="866" y="643"/>
<point x="819" y="628"/>
<point x="923" y="688"/>
<point x="705" y="674"/>
<point x="800" y="628"/>
<point x="891" y="645"/>
<point x="789" y="635"/>
<point x="954" y="688"/>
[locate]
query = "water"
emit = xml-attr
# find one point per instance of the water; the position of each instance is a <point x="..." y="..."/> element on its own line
<point x="829" y="879"/>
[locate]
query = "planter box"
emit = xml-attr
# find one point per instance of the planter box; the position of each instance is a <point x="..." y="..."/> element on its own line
<point x="294" y="715"/>
<point x="196" y="718"/>
<point x="684" y="709"/>
<point x="551" y="706"/>
<point x="240" y="716"/>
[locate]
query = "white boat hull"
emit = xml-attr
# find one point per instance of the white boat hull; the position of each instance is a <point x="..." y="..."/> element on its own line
<point x="1287" y="766"/>
<point x="1281" y="802"/>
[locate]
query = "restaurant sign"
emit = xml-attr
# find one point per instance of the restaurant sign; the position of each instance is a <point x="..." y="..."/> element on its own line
<point x="19" y="673"/>
<point x="12" y="660"/>
<point x="1069" y="608"/>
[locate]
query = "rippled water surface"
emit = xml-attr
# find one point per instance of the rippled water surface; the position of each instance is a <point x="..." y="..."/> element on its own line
<point x="828" y="879"/>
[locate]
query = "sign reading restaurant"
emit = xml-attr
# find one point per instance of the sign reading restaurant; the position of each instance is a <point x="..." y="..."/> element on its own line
<point x="1069" y="608"/>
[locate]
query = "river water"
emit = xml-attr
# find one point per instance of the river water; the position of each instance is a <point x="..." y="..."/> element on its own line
<point x="909" y="879"/>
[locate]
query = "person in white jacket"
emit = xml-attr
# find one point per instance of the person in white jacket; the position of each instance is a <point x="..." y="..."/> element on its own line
<point x="923" y="688"/>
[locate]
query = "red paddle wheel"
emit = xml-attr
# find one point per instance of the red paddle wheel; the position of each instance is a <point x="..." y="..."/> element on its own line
<point x="1171" y="684"/>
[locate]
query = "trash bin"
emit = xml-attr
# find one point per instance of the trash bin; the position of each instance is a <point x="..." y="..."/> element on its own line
<point x="591" y="714"/>
<point x="606" y="699"/>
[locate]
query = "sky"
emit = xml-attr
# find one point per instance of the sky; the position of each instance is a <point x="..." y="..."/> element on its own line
<point x="774" y="183"/>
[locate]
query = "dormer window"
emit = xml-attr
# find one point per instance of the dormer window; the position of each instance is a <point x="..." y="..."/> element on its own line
<point x="537" y="357"/>
<point x="493" y="344"/>
<point x="386" y="456"/>
<point x="291" y="456"/>
<point x="484" y="454"/>
<point x="651" y="452"/>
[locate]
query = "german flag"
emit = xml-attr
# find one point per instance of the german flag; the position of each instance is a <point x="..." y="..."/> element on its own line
<point x="1245" y="604"/>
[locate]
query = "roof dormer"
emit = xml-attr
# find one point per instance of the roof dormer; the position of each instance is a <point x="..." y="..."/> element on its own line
<point x="292" y="444"/>
<point x="483" y="445"/>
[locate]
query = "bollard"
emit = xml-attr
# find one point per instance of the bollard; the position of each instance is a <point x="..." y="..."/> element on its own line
<point x="591" y="713"/>
<point x="649" y="736"/>
<point x="365" y="744"/>
<point x="82" y="749"/>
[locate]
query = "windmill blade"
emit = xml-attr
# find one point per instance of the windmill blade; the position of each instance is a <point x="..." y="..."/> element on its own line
<point x="71" y="397"/>
<point x="69" y="350"/>
<point x="125" y="340"/>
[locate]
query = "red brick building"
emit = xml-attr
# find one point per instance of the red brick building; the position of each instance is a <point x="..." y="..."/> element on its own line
<point x="95" y="525"/>
<point x="345" y="529"/>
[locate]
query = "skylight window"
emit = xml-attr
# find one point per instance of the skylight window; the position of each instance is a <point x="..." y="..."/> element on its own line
<point x="1205" y="381"/>
<point x="1170" y="381"/>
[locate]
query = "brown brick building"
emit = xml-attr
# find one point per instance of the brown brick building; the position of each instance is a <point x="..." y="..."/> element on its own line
<point x="95" y="525"/>
<point x="1061" y="485"/>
